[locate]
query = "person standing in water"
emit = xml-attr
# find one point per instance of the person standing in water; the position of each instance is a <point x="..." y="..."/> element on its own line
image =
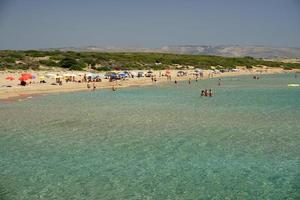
<point x="219" y="84"/>
<point x="202" y="93"/>
<point x="189" y="80"/>
<point x="94" y="86"/>
<point x="175" y="82"/>
<point x="210" y="94"/>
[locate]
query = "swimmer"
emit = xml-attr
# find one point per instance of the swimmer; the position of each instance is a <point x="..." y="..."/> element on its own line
<point x="202" y="93"/>
<point x="210" y="94"/>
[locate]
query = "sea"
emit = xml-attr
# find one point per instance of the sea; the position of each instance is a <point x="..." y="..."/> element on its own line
<point x="162" y="141"/>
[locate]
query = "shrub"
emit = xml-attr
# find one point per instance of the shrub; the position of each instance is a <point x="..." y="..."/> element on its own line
<point x="71" y="64"/>
<point x="49" y="63"/>
<point x="105" y="68"/>
<point x="287" y="68"/>
<point x="9" y="60"/>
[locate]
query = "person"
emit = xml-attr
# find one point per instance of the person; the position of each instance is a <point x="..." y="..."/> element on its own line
<point x="196" y="79"/>
<point x="23" y="83"/>
<point x="189" y="80"/>
<point x="88" y="85"/>
<point x="94" y="86"/>
<point x="175" y="82"/>
<point x="202" y="93"/>
<point x="210" y="93"/>
<point x="219" y="84"/>
<point x="113" y="88"/>
<point x="205" y="92"/>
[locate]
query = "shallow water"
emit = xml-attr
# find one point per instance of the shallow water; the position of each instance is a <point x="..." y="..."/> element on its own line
<point x="156" y="142"/>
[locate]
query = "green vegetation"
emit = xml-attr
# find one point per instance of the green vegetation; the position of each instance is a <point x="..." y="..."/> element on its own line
<point x="49" y="63"/>
<point x="125" y="61"/>
<point x="71" y="63"/>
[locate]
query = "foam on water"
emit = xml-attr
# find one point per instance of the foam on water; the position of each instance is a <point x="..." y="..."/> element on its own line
<point x="157" y="142"/>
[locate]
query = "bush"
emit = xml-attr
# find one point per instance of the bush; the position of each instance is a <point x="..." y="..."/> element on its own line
<point x="287" y="68"/>
<point x="71" y="64"/>
<point x="105" y="68"/>
<point x="9" y="60"/>
<point x="23" y="67"/>
<point x="49" y="63"/>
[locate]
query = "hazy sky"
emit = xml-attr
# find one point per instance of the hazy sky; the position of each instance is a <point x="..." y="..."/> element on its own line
<point x="29" y="24"/>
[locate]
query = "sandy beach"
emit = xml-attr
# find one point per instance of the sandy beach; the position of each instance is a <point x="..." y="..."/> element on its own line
<point x="10" y="89"/>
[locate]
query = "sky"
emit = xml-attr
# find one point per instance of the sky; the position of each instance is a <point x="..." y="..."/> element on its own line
<point x="33" y="24"/>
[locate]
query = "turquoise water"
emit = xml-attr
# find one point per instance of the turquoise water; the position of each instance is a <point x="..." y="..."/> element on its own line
<point x="156" y="142"/>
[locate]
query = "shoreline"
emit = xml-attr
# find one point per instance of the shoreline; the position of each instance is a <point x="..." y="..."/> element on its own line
<point x="19" y="93"/>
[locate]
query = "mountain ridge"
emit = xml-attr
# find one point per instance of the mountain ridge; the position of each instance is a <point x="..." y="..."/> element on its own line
<point x="255" y="51"/>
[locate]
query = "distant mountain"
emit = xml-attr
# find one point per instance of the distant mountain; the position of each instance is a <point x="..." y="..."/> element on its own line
<point x="224" y="50"/>
<point x="236" y="51"/>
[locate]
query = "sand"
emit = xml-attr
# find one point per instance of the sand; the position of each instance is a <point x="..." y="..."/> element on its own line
<point x="35" y="88"/>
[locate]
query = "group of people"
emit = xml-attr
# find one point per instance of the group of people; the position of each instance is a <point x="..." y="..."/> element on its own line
<point x="89" y="86"/>
<point x="206" y="93"/>
<point x="153" y="79"/>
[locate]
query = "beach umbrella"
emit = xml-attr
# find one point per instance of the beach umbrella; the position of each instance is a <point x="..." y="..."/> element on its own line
<point x="100" y="75"/>
<point x="10" y="78"/>
<point x="23" y="78"/>
<point x="122" y="74"/>
<point x="42" y="77"/>
<point x="91" y="75"/>
<point x="27" y="75"/>
<point x="55" y="77"/>
<point x="50" y="75"/>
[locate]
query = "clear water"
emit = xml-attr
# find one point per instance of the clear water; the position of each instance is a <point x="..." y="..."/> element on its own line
<point x="157" y="142"/>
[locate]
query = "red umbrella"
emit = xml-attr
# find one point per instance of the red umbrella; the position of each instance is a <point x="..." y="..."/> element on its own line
<point x="10" y="78"/>
<point x="27" y="75"/>
<point x="23" y="78"/>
